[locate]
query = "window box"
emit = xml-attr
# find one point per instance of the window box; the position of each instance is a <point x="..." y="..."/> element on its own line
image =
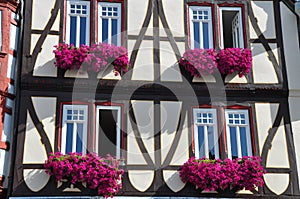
<point x="223" y="175"/>
<point x="93" y="59"/>
<point x="100" y="174"/>
<point x="201" y="62"/>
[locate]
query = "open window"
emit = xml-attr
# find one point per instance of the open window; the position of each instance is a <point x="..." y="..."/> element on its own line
<point x="238" y="133"/>
<point x="74" y="128"/>
<point x="206" y="133"/>
<point x="231" y="27"/>
<point x="78" y="22"/>
<point x="109" y="23"/>
<point x="108" y="130"/>
<point x="201" y="32"/>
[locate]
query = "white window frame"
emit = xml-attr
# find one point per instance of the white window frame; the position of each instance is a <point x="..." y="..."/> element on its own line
<point x="248" y="132"/>
<point x="119" y="22"/>
<point x="64" y="127"/>
<point x="241" y="34"/>
<point x="68" y="23"/>
<point x="210" y="29"/>
<point x="213" y="111"/>
<point x="118" y="130"/>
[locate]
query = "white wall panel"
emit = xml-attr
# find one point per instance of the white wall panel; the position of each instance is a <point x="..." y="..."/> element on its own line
<point x="41" y="13"/>
<point x="277" y="183"/>
<point x="44" y="65"/>
<point x="174" y="12"/>
<point x="137" y="10"/>
<point x="169" y="67"/>
<point x="264" y="13"/>
<point x="144" y="67"/>
<point x="291" y="46"/>
<point x="263" y="69"/>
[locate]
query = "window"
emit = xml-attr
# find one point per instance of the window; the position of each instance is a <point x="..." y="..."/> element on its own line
<point x="229" y="21"/>
<point x="109" y="28"/>
<point x="238" y="133"/>
<point x="78" y="22"/>
<point x="206" y="133"/>
<point x="74" y="128"/>
<point x="108" y="130"/>
<point x="201" y="27"/>
<point x="231" y="27"/>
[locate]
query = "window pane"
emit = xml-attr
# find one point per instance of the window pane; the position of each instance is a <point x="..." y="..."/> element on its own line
<point x="196" y="35"/>
<point x="104" y="30"/>
<point x="69" y="138"/>
<point x="233" y="142"/>
<point x="73" y="29"/>
<point x="205" y="35"/>
<point x="114" y="31"/>
<point x="107" y="132"/>
<point x="201" y="141"/>
<point x="243" y="141"/>
<point x="211" y="142"/>
<point x="82" y="30"/>
<point x="79" y="137"/>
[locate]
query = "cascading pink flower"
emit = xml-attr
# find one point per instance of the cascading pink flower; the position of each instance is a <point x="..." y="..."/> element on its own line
<point x="101" y="174"/>
<point x="94" y="58"/>
<point x="199" y="61"/>
<point x="232" y="60"/>
<point x="216" y="175"/>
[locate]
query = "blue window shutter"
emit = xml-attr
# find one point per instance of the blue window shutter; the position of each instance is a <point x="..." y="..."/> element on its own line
<point x="233" y="142"/>
<point x="104" y="30"/>
<point x="73" y="28"/>
<point x="211" y="140"/>
<point x="201" y="141"/>
<point x="196" y="35"/>
<point x="69" y="139"/>
<point x="82" y="30"/>
<point x="79" y="137"/>
<point x="114" y="31"/>
<point x="243" y="141"/>
<point x="205" y="35"/>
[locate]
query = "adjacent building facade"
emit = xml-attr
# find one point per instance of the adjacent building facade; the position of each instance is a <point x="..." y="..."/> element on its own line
<point x="152" y="116"/>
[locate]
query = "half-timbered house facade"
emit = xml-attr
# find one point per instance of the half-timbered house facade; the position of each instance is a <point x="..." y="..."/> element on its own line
<point x="153" y="117"/>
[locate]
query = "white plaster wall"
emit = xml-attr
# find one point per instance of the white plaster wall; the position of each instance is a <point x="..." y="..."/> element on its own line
<point x="34" y="150"/>
<point x="35" y="179"/>
<point x="169" y="120"/>
<point x="169" y="67"/>
<point x="144" y="114"/>
<point x="265" y="116"/>
<point x="173" y="180"/>
<point x="291" y="46"/>
<point x="46" y="111"/>
<point x="41" y="13"/>
<point x="263" y="70"/>
<point x="174" y="12"/>
<point x="181" y="154"/>
<point x="141" y="180"/>
<point x="134" y="154"/>
<point x="136" y="16"/>
<point x="44" y="65"/>
<point x="264" y="13"/>
<point x="144" y="68"/>
<point x="294" y="101"/>
<point x="277" y="183"/>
